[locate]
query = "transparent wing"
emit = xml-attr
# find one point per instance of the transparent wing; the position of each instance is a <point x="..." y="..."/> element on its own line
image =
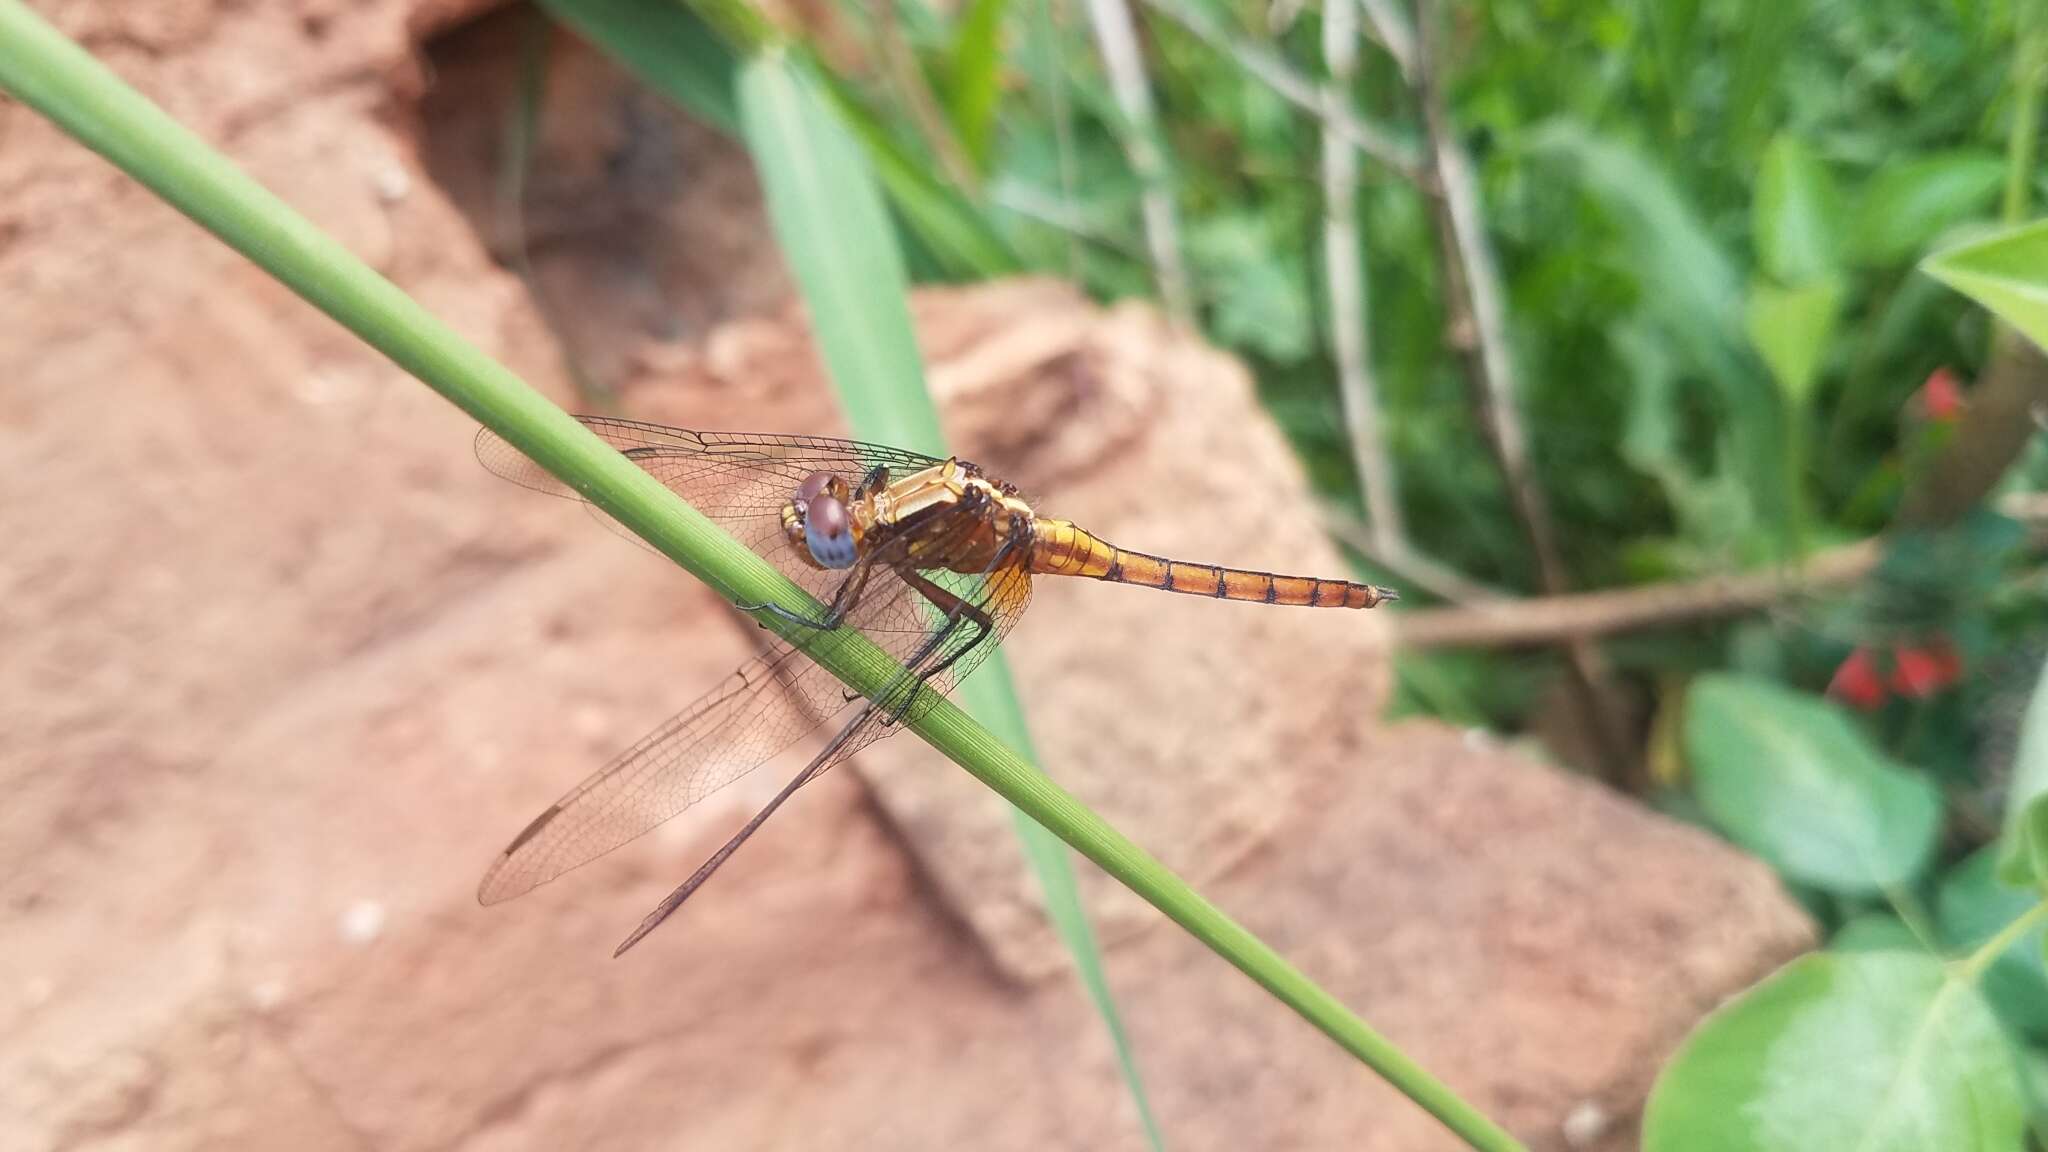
<point x="738" y="479"/>
<point x="771" y="701"/>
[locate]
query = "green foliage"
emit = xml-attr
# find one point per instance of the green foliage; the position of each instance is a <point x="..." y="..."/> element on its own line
<point x="974" y="76"/>
<point x="1788" y="777"/>
<point x="1973" y="907"/>
<point x="1857" y="1052"/>
<point x="1706" y="215"/>
<point x="2007" y="273"/>
<point x="1797" y="215"/>
<point x="2023" y="859"/>
<point x="1911" y="202"/>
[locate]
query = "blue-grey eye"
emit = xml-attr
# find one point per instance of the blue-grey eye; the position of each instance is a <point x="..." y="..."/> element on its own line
<point x="827" y="532"/>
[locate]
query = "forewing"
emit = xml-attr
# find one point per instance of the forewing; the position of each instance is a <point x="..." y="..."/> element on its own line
<point x="740" y="480"/>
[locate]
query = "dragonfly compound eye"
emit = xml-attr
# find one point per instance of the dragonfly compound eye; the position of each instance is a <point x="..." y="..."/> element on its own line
<point x="813" y="484"/>
<point x="827" y="532"/>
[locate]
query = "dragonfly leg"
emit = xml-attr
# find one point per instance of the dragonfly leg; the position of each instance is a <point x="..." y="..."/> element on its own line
<point x="959" y="610"/>
<point x="835" y="613"/>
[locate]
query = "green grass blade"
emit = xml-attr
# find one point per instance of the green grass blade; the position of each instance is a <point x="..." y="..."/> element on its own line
<point x="666" y="46"/>
<point x="828" y="216"/>
<point x="975" y="78"/>
<point x="686" y="52"/>
<point x="62" y="81"/>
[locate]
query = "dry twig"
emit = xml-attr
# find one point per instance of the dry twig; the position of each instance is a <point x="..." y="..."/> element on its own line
<point x="1478" y="324"/>
<point x="1117" y="38"/>
<point x="1268" y="68"/>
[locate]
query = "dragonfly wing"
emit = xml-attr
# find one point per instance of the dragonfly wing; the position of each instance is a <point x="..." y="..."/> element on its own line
<point x="758" y="711"/>
<point x="764" y="707"/>
<point x="740" y="480"/>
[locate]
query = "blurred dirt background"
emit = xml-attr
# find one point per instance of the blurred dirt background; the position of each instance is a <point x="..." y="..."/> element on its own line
<point x="281" y="668"/>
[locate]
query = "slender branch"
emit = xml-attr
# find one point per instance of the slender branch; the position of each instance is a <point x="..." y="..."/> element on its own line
<point x="1390" y="29"/>
<point x="1267" y="67"/>
<point x="1478" y="312"/>
<point x="1060" y="214"/>
<point x="1558" y="619"/>
<point x="1345" y="268"/>
<point x="1994" y="431"/>
<point x="49" y="73"/>
<point x="1552" y="620"/>
<point x="1411" y="566"/>
<point x="1116" y="36"/>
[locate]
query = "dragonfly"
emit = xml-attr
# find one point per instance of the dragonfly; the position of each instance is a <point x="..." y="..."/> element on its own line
<point x="929" y="559"/>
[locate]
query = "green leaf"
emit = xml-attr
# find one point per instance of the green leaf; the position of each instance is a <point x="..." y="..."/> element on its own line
<point x="976" y="77"/>
<point x="1788" y="777"/>
<point x="1796" y="215"/>
<point x="1791" y="328"/>
<point x="1910" y="203"/>
<point x="2007" y="273"/>
<point x="1971" y="907"/>
<point x="2023" y="849"/>
<point x="1855" y="1052"/>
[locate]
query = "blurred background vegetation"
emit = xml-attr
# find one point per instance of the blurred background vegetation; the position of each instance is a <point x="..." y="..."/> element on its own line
<point x="1558" y="299"/>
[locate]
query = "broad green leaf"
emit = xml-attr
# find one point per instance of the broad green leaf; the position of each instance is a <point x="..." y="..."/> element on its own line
<point x="1788" y="777"/>
<point x="1843" y="1052"/>
<point x="828" y="219"/>
<point x="1791" y="328"/>
<point x="2023" y="849"/>
<point x="2007" y="273"/>
<point x="1908" y="204"/>
<point x="1796" y="215"/>
<point x="976" y="77"/>
<point x="1972" y="906"/>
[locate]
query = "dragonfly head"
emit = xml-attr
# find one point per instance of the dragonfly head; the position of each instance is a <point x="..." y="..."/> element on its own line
<point x="819" y="516"/>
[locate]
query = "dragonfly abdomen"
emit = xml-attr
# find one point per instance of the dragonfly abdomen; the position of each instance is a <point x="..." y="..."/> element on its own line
<point x="1059" y="548"/>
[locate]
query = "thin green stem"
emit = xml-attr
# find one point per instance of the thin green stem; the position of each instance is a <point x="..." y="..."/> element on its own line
<point x="48" y="72"/>
<point x="2030" y="75"/>
<point x="1988" y="953"/>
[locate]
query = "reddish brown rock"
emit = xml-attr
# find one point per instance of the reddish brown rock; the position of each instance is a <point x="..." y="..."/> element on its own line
<point x="283" y="669"/>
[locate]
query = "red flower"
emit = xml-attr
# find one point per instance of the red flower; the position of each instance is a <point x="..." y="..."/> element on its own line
<point x="1940" y="399"/>
<point x="1857" y="683"/>
<point x="1921" y="672"/>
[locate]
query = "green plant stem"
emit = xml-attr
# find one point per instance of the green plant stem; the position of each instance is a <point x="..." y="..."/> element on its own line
<point x="48" y="72"/>
<point x="1987" y="954"/>
<point x="2030" y="74"/>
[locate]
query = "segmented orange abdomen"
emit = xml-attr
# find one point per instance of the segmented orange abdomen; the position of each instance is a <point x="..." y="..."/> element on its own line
<point x="1058" y="548"/>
